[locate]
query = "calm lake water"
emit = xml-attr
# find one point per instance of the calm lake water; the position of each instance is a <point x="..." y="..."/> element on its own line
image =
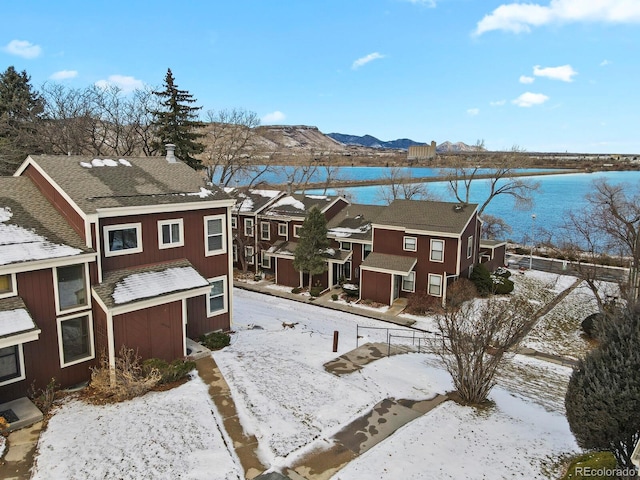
<point x="557" y="195"/>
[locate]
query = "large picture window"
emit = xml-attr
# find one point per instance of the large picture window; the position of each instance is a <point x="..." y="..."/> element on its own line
<point x="214" y="232"/>
<point x="437" y="251"/>
<point x="217" y="296"/>
<point x="122" y="239"/>
<point x="72" y="288"/>
<point x="170" y="233"/>
<point x="75" y="336"/>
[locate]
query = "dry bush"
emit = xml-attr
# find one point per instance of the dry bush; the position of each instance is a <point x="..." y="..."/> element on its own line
<point x="124" y="381"/>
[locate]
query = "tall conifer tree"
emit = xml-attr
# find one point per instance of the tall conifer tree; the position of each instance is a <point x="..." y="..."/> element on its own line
<point x="310" y="252"/>
<point x="178" y="122"/>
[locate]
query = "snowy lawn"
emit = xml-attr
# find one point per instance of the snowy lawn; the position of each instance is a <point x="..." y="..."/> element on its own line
<point x="161" y="435"/>
<point x="290" y="403"/>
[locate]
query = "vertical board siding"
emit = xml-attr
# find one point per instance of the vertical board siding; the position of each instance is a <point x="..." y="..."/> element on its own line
<point x="197" y="321"/>
<point x="287" y="275"/>
<point x="376" y="286"/>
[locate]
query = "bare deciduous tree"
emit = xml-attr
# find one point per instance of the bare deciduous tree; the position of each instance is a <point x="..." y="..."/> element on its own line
<point x="476" y="339"/>
<point x="494" y="227"/>
<point x="399" y="185"/>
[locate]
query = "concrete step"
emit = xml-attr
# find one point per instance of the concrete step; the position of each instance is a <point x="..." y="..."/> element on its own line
<point x="24" y="409"/>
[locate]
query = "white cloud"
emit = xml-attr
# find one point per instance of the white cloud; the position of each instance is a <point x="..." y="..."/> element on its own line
<point x="273" y="117"/>
<point x="529" y="99"/>
<point x="23" y="48"/>
<point x="564" y="72"/>
<point x="525" y="79"/>
<point x="605" y="62"/>
<point x="64" y="75"/>
<point x="366" y="59"/>
<point x="521" y="17"/>
<point x="498" y="103"/>
<point x="124" y="83"/>
<point x="473" y="112"/>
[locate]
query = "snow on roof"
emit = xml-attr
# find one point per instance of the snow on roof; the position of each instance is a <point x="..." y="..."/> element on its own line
<point x="19" y="244"/>
<point x="289" y="200"/>
<point x="15" y="321"/>
<point x="124" y="162"/>
<point x="266" y="193"/>
<point x="107" y="162"/>
<point x="151" y="284"/>
<point x="203" y="193"/>
<point x="317" y="197"/>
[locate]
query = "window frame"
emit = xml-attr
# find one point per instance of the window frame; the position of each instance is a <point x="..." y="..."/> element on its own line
<point x="411" y="277"/>
<point x="225" y="303"/>
<point x="404" y="243"/>
<point x="234" y="248"/>
<point x="90" y="338"/>
<point x="366" y="253"/>
<point x="161" y="224"/>
<point x="470" y="246"/>
<point x="122" y="226"/>
<point x="13" y="291"/>
<point x="430" y="284"/>
<point x="56" y="290"/>
<point x="286" y="230"/>
<point x="250" y="257"/>
<point x="249" y="221"/>
<point x="342" y="246"/>
<point x="234" y="222"/>
<point x="432" y="250"/>
<point x="20" y="364"/>
<point x="223" y="222"/>
<point x="262" y="231"/>
<point x="265" y="256"/>
<point x="346" y="270"/>
<point x="296" y="230"/>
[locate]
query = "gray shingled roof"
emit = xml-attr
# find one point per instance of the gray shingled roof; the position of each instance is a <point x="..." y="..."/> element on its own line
<point x="297" y="204"/>
<point x="133" y="182"/>
<point x="153" y="281"/>
<point x="486" y="243"/>
<point x="354" y="222"/>
<point x="427" y="215"/>
<point x="34" y="230"/>
<point x="251" y="201"/>
<point x="397" y="264"/>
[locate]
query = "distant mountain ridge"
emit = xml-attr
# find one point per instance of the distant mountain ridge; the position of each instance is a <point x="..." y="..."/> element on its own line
<point x="400" y="144"/>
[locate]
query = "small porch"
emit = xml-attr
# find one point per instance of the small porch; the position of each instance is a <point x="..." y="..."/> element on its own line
<point x="20" y="413"/>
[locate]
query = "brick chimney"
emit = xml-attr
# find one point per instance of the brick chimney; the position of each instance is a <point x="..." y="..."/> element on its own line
<point x="171" y="156"/>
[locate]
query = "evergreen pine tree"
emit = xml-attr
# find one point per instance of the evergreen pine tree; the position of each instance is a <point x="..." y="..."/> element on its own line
<point x="178" y="123"/>
<point x="20" y="110"/>
<point x="603" y="396"/>
<point x="310" y="252"/>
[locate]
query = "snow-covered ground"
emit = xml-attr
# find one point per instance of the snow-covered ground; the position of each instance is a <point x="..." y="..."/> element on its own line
<point x="285" y="397"/>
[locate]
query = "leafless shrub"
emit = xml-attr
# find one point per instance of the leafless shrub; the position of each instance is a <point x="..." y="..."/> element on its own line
<point x="123" y="381"/>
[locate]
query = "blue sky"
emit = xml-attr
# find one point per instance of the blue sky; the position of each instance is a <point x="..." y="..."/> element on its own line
<point x="549" y="75"/>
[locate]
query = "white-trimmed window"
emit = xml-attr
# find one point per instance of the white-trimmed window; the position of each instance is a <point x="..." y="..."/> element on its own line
<point x="435" y="285"/>
<point x="265" y="231"/>
<point x="170" y="233"/>
<point x="249" y="254"/>
<point x="75" y="339"/>
<point x="345" y="246"/>
<point x="346" y="270"/>
<point x="11" y="364"/>
<point x="214" y="235"/>
<point x="122" y="239"/>
<point x="235" y="253"/>
<point x="437" y="251"/>
<point x="366" y="250"/>
<point x="217" y="296"/>
<point x="234" y="222"/>
<point x="265" y="261"/>
<point x="409" y="282"/>
<point x="470" y="246"/>
<point x="410" y="244"/>
<point x="282" y="230"/>
<point x="71" y="285"/>
<point x="296" y="230"/>
<point x="8" y="285"/>
<point x="248" y="227"/>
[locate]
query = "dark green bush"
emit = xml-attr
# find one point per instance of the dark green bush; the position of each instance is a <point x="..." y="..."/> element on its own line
<point x="590" y="324"/>
<point x="170" y="372"/>
<point x="334" y="297"/>
<point x="215" y="340"/>
<point x="315" y="291"/>
<point x="296" y="290"/>
<point x="502" y="285"/>
<point x="481" y="278"/>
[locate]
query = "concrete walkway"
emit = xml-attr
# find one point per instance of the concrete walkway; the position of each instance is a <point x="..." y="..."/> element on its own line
<point x="18" y="459"/>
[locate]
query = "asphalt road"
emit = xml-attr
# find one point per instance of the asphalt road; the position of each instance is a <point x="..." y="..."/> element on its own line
<point x="607" y="274"/>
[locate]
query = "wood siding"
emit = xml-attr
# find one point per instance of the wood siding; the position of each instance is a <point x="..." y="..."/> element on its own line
<point x="155" y="332"/>
<point x="42" y="357"/>
<point x="376" y="286"/>
<point x="286" y="274"/>
<point x="197" y="321"/>
<point x="334" y="209"/>
<point x="57" y="200"/>
<point x="193" y="249"/>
